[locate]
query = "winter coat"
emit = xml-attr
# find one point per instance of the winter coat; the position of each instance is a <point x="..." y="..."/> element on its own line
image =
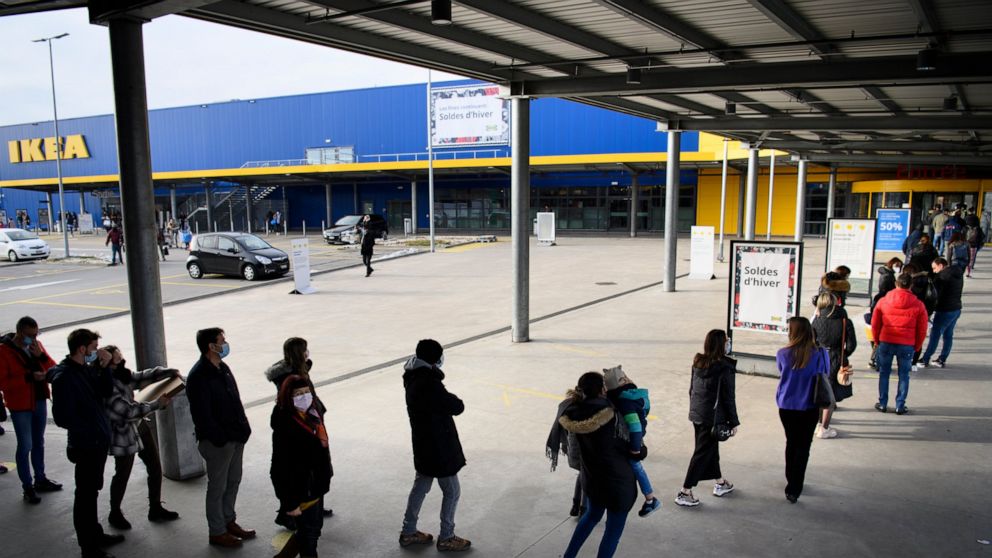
<point x="703" y="386"/>
<point x="278" y="372"/>
<point x="838" y="287"/>
<point x="215" y="404"/>
<point x="949" y="283"/>
<point x="955" y="224"/>
<point x="437" y="451"/>
<point x="17" y="382"/>
<point x="124" y="412"/>
<point x="78" y="394"/>
<point x="939" y="220"/>
<point x="607" y="477"/>
<point x="115" y="237"/>
<point x="911" y="242"/>
<point x="301" y="467"/>
<point x="368" y="242"/>
<point x="830" y="334"/>
<point x="958" y="254"/>
<point x="922" y="256"/>
<point x="922" y="287"/>
<point x="632" y="405"/>
<point x="899" y="318"/>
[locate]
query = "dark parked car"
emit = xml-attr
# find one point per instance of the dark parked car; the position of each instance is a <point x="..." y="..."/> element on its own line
<point x="345" y="230"/>
<point x="234" y="253"/>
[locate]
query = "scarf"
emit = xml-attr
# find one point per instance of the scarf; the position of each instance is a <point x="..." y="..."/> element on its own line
<point x="557" y="443"/>
<point x="312" y="423"/>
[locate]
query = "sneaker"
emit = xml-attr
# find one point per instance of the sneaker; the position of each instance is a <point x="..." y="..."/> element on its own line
<point x="31" y="497"/>
<point x="686" y="499"/>
<point x="415" y="538"/>
<point x="924" y="364"/>
<point x="453" y="544"/>
<point x="827" y="433"/>
<point x="47" y="485"/>
<point x="915" y="368"/>
<point x="880" y="408"/>
<point x="939" y="363"/>
<point x="649" y="507"/>
<point x="720" y="489"/>
<point x="792" y="498"/>
<point x="902" y="410"/>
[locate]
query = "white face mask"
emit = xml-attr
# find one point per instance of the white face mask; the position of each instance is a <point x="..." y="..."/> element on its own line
<point x="440" y="362"/>
<point x="303" y="401"/>
<point x="728" y="347"/>
<point x="896" y="269"/>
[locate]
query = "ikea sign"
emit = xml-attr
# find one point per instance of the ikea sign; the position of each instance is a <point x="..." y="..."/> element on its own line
<point x="45" y="149"/>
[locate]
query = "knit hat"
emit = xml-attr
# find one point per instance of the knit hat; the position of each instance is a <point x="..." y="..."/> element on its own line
<point x="613" y="376"/>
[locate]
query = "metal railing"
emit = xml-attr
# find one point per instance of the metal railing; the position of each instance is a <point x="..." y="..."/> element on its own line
<point x="276" y="163"/>
<point x="438" y="155"/>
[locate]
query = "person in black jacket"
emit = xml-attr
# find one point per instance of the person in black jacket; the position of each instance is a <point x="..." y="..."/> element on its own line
<point x="711" y="388"/>
<point x="608" y="479"/>
<point x="221" y="432"/>
<point x="301" y="464"/>
<point x="949" y="283"/>
<point x="79" y="385"/>
<point x="834" y="332"/>
<point x="437" y="451"/>
<point x="922" y="254"/>
<point x="368" y="245"/>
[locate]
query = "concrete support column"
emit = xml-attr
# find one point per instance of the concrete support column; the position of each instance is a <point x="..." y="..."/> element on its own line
<point x="82" y="202"/>
<point x="634" y="194"/>
<point x="672" y="208"/>
<point x="751" y="194"/>
<point x="771" y="196"/>
<point x="328" y="205"/>
<point x="800" y="200"/>
<point x="51" y="213"/>
<point x="520" y="217"/>
<point x="741" y="183"/>
<point x="413" y="204"/>
<point x="831" y="194"/>
<point x="208" y="191"/>
<point x="173" y="208"/>
<point x="249" y="206"/>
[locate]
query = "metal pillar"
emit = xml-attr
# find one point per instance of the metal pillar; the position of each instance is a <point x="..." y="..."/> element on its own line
<point x="751" y="195"/>
<point x="179" y="459"/>
<point x="58" y="152"/>
<point x="831" y="193"/>
<point x="672" y="209"/>
<point x="520" y="217"/>
<point x="172" y="204"/>
<point x="634" y="192"/>
<point x="82" y="202"/>
<point x="723" y="198"/>
<point x="328" y="211"/>
<point x="741" y="181"/>
<point x="208" y="192"/>
<point x="413" y="204"/>
<point x="249" y="210"/>
<point x="771" y="195"/>
<point x="354" y="195"/>
<point x="800" y="200"/>
<point x="430" y="167"/>
<point x="51" y="215"/>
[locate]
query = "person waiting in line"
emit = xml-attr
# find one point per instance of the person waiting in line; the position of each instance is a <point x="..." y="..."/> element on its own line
<point x="975" y="236"/>
<point x="608" y="479"/>
<point x="940" y="217"/>
<point x="836" y="283"/>
<point x="799" y="363"/>
<point x="301" y="468"/>
<point x="633" y="405"/>
<point x="711" y="393"/>
<point x="834" y="332"/>
<point x="912" y="240"/>
<point x="437" y="451"/>
<point x="561" y="441"/>
<point x="23" y="366"/>
<point x="899" y="324"/>
<point x="295" y="361"/>
<point x="368" y="244"/>
<point x="923" y="254"/>
<point x="221" y="430"/>
<point x="958" y="252"/>
<point x="130" y="435"/>
<point x="886" y="282"/>
<point x="80" y="384"/>
<point x="949" y="285"/>
<point x="922" y="287"/>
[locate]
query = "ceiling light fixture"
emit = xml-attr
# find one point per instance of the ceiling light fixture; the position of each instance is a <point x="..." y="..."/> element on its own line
<point x="926" y="60"/>
<point x="730" y="108"/>
<point x="441" y="12"/>
<point x="633" y="76"/>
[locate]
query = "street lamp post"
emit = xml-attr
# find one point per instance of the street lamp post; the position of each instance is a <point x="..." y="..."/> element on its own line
<point x="58" y="141"/>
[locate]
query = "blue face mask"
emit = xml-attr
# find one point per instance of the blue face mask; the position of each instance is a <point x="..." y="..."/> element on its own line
<point x="27" y="341"/>
<point x="90" y="357"/>
<point x="225" y="350"/>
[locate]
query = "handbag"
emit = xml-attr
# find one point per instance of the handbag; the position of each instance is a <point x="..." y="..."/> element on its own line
<point x="165" y="250"/>
<point x="722" y="429"/>
<point x="823" y="393"/>
<point x="846" y="370"/>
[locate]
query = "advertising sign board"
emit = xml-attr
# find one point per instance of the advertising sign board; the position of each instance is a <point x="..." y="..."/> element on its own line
<point x="851" y="242"/>
<point x="892" y="229"/>
<point x="469" y="115"/>
<point x="301" y="266"/>
<point x="701" y="253"/>
<point x="764" y="285"/>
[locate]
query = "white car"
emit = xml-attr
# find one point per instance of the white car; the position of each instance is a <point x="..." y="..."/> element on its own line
<point x="19" y="244"/>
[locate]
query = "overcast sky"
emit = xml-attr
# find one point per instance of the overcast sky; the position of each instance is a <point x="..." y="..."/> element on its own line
<point x="186" y="61"/>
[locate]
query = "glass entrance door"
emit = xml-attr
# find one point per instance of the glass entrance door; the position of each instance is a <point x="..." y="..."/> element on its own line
<point x="618" y="202"/>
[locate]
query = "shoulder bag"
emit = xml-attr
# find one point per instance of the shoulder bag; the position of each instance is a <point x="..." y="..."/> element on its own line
<point x="722" y="429"/>
<point x="823" y="393"/>
<point x="846" y="371"/>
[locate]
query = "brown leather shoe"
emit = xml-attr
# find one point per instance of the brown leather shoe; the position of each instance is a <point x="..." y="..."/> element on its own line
<point x="234" y="529"/>
<point x="226" y="540"/>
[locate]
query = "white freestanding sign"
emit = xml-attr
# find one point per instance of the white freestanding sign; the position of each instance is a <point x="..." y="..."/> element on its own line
<point x="301" y="266"/>
<point x="86" y="223"/>
<point x="764" y="287"/>
<point x="546" y="228"/>
<point x="851" y="242"/>
<point x="701" y="253"/>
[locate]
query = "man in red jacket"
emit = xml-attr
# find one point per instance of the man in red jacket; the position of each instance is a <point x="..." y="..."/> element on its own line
<point x="23" y="363"/>
<point x="899" y="325"/>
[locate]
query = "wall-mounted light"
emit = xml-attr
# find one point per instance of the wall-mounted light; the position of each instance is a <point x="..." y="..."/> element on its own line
<point x="926" y="60"/>
<point x="634" y="76"/>
<point x="730" y="108"/>
<point x="441" y="12"/>
<point x="951" y="103"/>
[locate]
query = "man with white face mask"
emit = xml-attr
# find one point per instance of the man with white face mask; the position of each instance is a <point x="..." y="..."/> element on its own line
<point x="221" y="432"/>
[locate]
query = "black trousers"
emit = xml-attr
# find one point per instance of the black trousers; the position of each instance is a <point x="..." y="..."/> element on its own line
<point x="367" y="261"/>
<point x="799" y="427"/>
<point x="89" y="464"/>
<point x="705" y="462"/>
<point x="308" y="527"/>
<point x="123" y="466"/>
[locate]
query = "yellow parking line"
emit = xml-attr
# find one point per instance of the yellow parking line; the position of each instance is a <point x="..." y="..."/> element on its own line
<point x="81" y="291"/>
<point x="67" y="305"/>
<point x="467" y="247"/>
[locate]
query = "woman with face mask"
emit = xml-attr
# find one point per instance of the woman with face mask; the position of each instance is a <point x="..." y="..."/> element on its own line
<point x="301" y="464"/>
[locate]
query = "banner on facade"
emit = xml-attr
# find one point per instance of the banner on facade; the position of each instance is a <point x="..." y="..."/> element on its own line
<point x="300" y="248"/>
<point x="701" y="253"/>
<point x="469" y="115"/>
<point x="892" y="229"/>
<point x="764" y="285"/>
<point x="851" y="242"/>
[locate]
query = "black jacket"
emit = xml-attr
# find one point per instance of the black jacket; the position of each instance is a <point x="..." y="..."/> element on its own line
<point x="78" y="393"/>
<point x="301" y="468"/>
<point x="924" y="290"/>
<point x="607" y="477"/>
<point x="922" y="256"/>
<point x="830" y="335"/>
<point x="949" y="283"/>
<point x="215" y="404"/>
<point x="437" y="451"/>
<point x="703" y="387"/>
<point x="368" y="242"/>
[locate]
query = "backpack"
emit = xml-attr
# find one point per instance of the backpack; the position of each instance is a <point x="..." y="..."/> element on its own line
<point x="972" y="235"/>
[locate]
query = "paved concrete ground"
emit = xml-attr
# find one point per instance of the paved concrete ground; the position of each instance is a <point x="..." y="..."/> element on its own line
<point x="913" y="485"/>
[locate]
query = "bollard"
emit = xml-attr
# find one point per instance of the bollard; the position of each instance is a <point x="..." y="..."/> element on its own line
<point x="304" y="229"/>
<point x="285" y="228"/>
<point x="197" y="227"/>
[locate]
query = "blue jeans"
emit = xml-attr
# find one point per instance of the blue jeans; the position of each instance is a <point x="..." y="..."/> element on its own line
<point x="115" y="253"/>
<point x="938" y="243"/>
<point x="904" y="358"/>
<point x="642" y="477"/>
<point x="943" y="326"/>
<point x="29" y="427"/>
<point x="615" y="521"/>
<point x="451" y="491"/>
